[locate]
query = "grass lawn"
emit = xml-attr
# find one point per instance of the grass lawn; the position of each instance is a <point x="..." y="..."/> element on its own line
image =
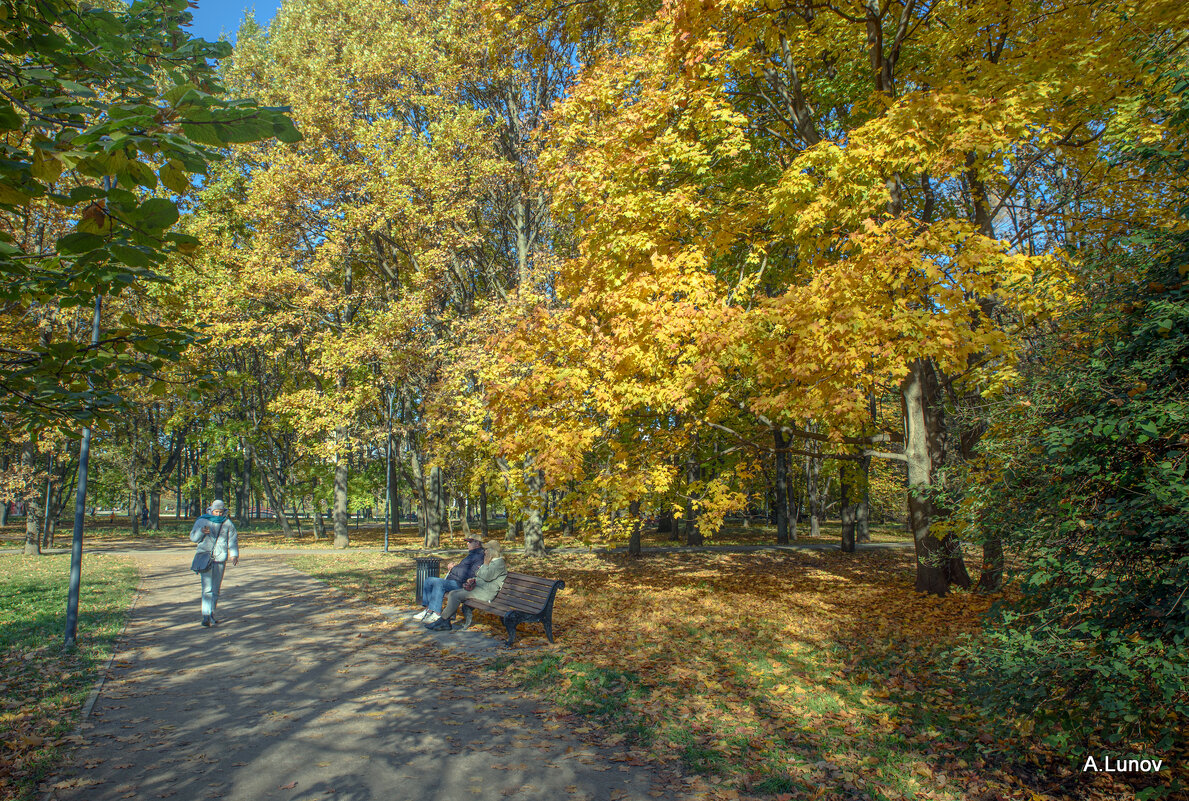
<point x="42" y="690"/>
<point x="775" y="674"/>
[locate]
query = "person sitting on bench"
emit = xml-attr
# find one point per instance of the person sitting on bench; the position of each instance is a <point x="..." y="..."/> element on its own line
<point x="483" y="587"/>
<point x="434" y="588"/>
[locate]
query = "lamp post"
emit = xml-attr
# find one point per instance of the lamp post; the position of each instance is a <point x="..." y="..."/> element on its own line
<point x="388" y="472"/>
<point x="80" y="511"/>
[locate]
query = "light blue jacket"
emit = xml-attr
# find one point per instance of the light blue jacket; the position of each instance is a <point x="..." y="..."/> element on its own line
<point x="224" y="547"/>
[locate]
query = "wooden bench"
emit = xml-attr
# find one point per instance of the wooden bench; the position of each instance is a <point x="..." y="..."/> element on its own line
<point x="522" y="599"/>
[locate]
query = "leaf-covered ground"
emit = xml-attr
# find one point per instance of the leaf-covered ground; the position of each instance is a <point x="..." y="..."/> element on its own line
<point x="42" y="690"/>
<point x="789" y="675"/>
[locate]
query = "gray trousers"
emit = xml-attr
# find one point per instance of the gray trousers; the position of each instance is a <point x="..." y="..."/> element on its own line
<point x="453" y="601"/>
<point x="211" y="581"/>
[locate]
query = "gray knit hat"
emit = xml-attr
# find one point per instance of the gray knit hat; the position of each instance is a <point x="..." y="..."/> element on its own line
<point x="217" y="506"/>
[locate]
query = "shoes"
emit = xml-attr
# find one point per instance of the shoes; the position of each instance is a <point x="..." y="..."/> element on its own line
<point x="213" y="621"/>
<point x="439" y="625"/>
<point x="432" y="617"/>
<point x="422" y="615"/>
<point x="206" y="620"/>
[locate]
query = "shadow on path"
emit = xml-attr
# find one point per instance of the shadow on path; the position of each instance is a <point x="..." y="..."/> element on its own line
<point x="301" y="693"/>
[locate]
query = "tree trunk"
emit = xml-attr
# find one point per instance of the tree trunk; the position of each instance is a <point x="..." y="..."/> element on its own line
<point x="3" y="502"/>
<point x="155" y="511"/>
<point x="418" y="481"/>
<point x="134" y="507"/>
<point x="847" y="517"/>
<point x="177" y="509"/>
<point x="243" y="497"/>
<point x="534" y="529"/>
<point x="195" y="490"/>
<point x="991" y="579"/>
<point x="693" y="532"/>
<point x="32" y="511"/>
<point x="483" y="509"/>
<point x="939" y="563"/>
<point x="863" y="510"/>
<point x="394" y="500"/>
<point x="463" y="513"/>
<point x="434" y="505"/>
<point x="782" y="489"/>
<point x="221" y="480"/>
<point x="319" y="523"/>
<point x="634" y="539"/>
<point x="277" y="502"/>
<point x="813" y="468"/>
<point x="342" y="535"/>
<point x="58" y="500"/>
<point x="202" y="482"/>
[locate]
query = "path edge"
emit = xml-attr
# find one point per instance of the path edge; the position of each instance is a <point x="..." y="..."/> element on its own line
<point x="89" y="704"/>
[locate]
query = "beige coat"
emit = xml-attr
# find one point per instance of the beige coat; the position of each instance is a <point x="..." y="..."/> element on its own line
<point x="487" y="583"/>
<point x="489" y="580"/>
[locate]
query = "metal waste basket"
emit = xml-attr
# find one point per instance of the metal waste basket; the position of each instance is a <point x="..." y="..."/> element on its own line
<point x="427" y="567"/>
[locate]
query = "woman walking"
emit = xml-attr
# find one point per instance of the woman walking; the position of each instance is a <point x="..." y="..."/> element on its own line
<point x="483" y="587"/>
<point x="216" y="536"/>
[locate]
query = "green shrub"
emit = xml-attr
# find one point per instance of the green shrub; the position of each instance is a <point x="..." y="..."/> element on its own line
<point x="1094" y="503"/>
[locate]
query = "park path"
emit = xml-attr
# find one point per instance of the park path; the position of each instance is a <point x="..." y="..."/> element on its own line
<point x="303" y="693"/>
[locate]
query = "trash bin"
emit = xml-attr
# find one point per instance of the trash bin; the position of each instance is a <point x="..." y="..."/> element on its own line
<point x="427" y="567"/>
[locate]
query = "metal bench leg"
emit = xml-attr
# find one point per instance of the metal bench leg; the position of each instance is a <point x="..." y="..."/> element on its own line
<point x="466" y="614"/>
<point x="548" y="623"/>
<point x="511" y="621"/>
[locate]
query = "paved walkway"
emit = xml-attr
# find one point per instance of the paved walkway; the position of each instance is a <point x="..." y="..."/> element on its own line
<point x="302" y="693"/>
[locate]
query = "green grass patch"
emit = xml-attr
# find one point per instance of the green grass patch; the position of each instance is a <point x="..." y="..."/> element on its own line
<point x="383" y="579"/>
<point x="42" y="689"/>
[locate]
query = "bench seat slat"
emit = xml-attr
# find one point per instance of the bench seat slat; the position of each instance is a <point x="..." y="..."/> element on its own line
<point x="521" y="598"/>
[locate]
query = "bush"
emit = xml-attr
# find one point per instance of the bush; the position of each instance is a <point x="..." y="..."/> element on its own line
<point x="1093" y="499"/>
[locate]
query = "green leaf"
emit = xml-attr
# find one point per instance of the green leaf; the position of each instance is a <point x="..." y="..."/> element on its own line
<point x="13" y="196"/>
<point x="157" y="213"/>
<point x="133" y="257"/>
<point x="185" y="243"/>
<point x="142" y="174"/>
<point x="76" y="88"/>
<point x="202" y="134"/>
<point x="10" y="120"/>
<point x="79" y="242"/>
<point x="285" y="131"/>
<point x="174" y="177"/>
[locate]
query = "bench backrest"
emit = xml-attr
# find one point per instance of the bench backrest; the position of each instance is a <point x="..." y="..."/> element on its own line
<point x="529" y="593"/>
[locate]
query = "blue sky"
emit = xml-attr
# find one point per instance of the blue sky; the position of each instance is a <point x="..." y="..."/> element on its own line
<point x="213" y="18"/>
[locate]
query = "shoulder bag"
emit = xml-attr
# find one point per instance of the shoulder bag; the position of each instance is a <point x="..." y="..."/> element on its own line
<point x="204" y="560"/>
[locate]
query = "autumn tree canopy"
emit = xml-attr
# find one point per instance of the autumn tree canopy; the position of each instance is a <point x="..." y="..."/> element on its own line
<point x="604" y="262"/>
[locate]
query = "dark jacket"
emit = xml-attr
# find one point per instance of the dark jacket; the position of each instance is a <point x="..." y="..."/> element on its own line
<point x="468" y="567"/>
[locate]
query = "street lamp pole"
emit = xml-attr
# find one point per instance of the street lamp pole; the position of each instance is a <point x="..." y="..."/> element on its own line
<point x="80" y="511"/>
<point x="388" y="473"/>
